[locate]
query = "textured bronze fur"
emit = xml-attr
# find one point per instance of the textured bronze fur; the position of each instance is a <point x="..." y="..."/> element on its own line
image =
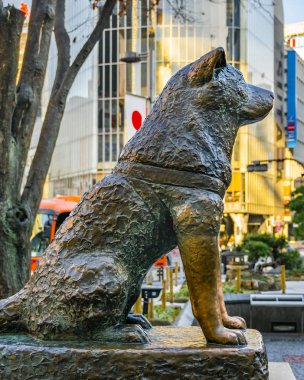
<point x="166" y="190"/>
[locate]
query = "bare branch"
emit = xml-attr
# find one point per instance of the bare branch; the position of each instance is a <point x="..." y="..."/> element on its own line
<point x="11" y="22"/>
<point x="50" y="129"/>
<point x="179" y="11"/>
<point x="87" y="48"/>
<point x="63" y="45"/>
<point x="31" y="81"/>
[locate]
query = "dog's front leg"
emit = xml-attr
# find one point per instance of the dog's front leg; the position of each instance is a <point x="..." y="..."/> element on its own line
<point x="197" y="225"/>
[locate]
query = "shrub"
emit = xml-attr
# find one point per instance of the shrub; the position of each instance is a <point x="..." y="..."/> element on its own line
<point x="183" y="292"/>
<point x="291" y="259"/>
<point x="275" y="245"/>
<point x="255" y="249"/>
<point x="169" y="314"/>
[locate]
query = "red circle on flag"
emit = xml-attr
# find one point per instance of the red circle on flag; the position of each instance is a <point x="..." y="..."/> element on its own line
<point x="136" y="120"/>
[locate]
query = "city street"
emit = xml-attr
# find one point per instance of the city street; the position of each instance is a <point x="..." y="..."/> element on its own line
<point x="286" y="348"/>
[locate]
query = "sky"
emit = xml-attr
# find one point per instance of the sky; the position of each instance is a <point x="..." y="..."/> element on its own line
<point x="293" y="11"/>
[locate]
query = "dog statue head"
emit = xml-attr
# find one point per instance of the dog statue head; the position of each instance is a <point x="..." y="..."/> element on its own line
<point x="220" y="89"/>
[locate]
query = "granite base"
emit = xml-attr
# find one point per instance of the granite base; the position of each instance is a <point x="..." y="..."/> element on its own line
<point x="173" y="353"/>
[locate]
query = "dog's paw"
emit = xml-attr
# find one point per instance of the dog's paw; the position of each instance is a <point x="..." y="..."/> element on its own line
<point x="131" y="334"/>
<point x="140" y="320"/>
<point x="234" y="323"/>
<point x="224" y="336"/>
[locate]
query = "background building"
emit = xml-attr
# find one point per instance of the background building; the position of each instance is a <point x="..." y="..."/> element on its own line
<point x="164" y="38"/>
<point x="294" y="36"/>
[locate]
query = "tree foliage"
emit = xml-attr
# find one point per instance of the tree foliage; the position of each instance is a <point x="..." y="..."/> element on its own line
<point x="275" y="245"/>
<point x="291" y="259"/>
<point x="297" y="206"/>
<point x="258" y="245"/>
<point x="255" y="249"/>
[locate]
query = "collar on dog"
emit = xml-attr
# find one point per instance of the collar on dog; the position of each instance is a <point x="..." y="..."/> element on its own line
<point x="171" y="177"/>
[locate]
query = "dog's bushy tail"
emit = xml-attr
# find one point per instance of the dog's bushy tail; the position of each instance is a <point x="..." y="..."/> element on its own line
<point x="10" y="314"/>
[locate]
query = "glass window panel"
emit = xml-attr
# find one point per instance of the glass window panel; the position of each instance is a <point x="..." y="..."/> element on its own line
<point x="121" y="14"/>
<point x="129" y="40"/>
<point x="121" y="142"/>
<point x="144" y="79"/>
<point x="121" y="114"/>
<point x="100" y="148"/>
<point x="159" y="43"/>
<point x="107" y="46"/>
<point x="229" y="13"/>
<point x="159" y="14"/>
<point x="236" y="49"/>
<point x="129" y="78"/>
<point x="122" y="43"/>
<point x="129" y="13"/>
<point x="100" y="51"/>
<point x="100" y="115"/>
<point x="230" y="44"/>
<point x="100" y="82"/>
<point x="191" y="46"/>
<point x="107" y="80"/>
<point x="167" y="13"/>
<point x="151" y="39"/>
<point x="114" y="46"/>
<point x="114" y="115"/>
<point x="237" y="5"/>
<point x="114" y="80"/>
<point x="107" y="147"/>
<point x="107" y="115"/>
<point x="114" y="147"/>
<point x="114" y="20"/>
<point x="122" y="80"/>
<point x="144" y="12"/>
<point x="144" y="40"/>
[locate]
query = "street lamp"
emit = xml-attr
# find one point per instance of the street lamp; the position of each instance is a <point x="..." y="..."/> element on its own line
<point x="134" y="57"/>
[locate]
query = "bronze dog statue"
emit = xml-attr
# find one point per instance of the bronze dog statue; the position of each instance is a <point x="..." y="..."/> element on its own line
<point x="166" y="190"/>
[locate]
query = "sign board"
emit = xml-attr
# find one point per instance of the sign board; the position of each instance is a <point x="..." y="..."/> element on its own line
<point x="291" y="128"/>
<point x="257" y="168"/>
<point x="136" y="110"/>
<point x="286" y="192"/>
<point x="295" y="42"/>
<point x="299" y="182"/>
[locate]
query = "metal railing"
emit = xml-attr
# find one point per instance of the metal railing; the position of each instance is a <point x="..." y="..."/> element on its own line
<point x="283" y="300"/>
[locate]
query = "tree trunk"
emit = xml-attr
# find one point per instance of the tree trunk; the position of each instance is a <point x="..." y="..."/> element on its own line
<point x="14" y="220"/>
<point x="14" y="248"/>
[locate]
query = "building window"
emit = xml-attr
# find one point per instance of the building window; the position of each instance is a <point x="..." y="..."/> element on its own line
<point x="233" y="37"/>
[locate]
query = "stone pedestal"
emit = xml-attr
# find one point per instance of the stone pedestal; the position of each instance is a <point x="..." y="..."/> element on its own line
<point x="174" y="353"/>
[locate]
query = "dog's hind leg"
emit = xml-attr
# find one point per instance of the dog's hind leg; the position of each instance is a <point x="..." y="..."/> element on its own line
<point x="10" y="313"/>
<point x="230" y="322"/>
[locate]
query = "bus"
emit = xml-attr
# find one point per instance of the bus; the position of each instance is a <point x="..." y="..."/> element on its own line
<point x="51" y="214"/>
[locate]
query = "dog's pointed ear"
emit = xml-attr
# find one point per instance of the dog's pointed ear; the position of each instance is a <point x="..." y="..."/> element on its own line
<point x="202" y="70"/>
